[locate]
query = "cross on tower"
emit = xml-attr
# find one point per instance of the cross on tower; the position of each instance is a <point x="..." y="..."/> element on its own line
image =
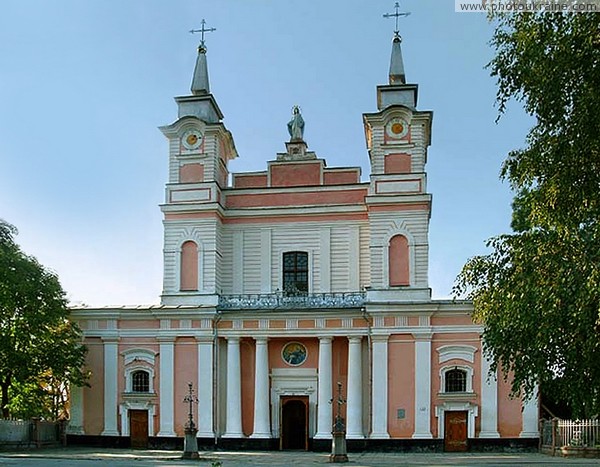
<point x="396" y="15"/>
<point x="202" y="31"/>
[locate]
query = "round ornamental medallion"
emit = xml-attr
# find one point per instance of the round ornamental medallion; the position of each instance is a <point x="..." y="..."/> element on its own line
<point x="191" y="139"/>
<point x="294" y="353"/>
<point x="397" y="128"/>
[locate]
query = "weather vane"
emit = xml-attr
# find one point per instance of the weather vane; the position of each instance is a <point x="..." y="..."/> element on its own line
<point x="202" y="31"/>
<point x="396" y="15"/>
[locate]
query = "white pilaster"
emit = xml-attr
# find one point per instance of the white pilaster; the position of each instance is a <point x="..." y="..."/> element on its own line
<point x="530" y="417"/>
<point x="111" y="363"/>
<point x="205" y="387"/>
<point x="489" y="400"/>
<point x="422" y="386"/>
<point x="167" y="364"/>
<point x="265" y="260"/>
<point x="325" y="259"/>
<point x="233" y="423"/>
<point x="324" y="414"/>
<point x="354" y="398"/>
<point x="379" y="392"/>
<point x="238" y="261"/>
<point x="354" y="258"/>
<point x="75" y="426"/>
<point x="262" y="428"/>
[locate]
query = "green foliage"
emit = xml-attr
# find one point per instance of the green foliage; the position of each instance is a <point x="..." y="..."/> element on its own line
<point x="40" y="349"/>
<point x="538" y="292"/>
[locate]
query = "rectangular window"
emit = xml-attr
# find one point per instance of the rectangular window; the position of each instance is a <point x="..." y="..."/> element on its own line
<point x="295" y="272"/>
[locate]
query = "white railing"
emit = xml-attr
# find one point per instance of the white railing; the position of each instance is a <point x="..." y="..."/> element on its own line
<point x="285" y="301"/>
<point x="567" y="435"/>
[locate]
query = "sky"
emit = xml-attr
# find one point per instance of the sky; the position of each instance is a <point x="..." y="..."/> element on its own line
<point x="84" y="84"/>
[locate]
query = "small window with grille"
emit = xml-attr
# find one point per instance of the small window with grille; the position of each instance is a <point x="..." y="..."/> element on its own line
<point x="456" y="380"/>
<point x="140" y="381"/>
<point x="295" y="272"/>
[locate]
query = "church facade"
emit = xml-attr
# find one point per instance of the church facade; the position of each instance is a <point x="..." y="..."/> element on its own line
<point x="293" y="295"/>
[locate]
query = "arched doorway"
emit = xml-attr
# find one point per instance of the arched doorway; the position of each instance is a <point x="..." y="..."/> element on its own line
<point x="294" y="422"/>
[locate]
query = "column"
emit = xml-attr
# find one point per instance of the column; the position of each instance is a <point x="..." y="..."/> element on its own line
<point x="422" y="386"/>
<point x="76" y="411"/>
<point x="324" y="414"/>
<point x="489" y="400"/>
<point x="167" y="393"/>
<point x="354" y="396"/>
<point x="262" y="426"/>
<point x="111" y="363"/>
<point x="530" y="417"/>
<point x="205" y="387"/>
<point x="233" y="422"/>
<point x="379" y="392"/>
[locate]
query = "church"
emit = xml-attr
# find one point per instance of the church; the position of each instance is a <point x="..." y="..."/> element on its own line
<point x="294" y="295"/>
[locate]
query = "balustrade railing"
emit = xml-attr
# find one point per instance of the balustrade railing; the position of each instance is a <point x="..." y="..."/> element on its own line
<point x="294" y="301"/>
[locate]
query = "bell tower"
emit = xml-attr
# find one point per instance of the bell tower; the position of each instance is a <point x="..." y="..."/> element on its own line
<point x="200" y="148"/>
<point x="399" y="207"/>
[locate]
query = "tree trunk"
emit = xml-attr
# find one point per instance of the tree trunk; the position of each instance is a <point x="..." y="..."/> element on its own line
<point x="4" y="385"/>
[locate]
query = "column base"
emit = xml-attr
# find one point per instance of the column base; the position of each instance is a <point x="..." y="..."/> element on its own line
<point x="167" y="434"/>
<point x="422" y="436"/>
<point x="355" y="436"/>
<point x="529" y="434"/>
<point x="205" y="434"/>
<point x="322" y="436"/>
<point x="379" y="436"/>
<point x="489" y="434"/>
<point x="234" y="435"/>
<point x="110" y="433"/>
<point x="259" y="435"/>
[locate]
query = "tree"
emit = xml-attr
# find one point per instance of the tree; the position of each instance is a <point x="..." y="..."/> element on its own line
<point x="40" y="347"/>
<point x="538" y="292"/>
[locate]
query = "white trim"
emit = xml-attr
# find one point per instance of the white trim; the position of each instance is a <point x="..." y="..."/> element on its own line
<point x="167" y="393"/>
<point x="129" y="380"/>
<point x="111" y="363"/>
<point x="458" y="352"/>
<point x="266" y="252"/>
<point x="411" y="257"/>
<point x="126" y="406"/>
<point x="325" y="259"/>
<point x="137" y="354"/>
<point x="454" y="407"/>
<point x="379" y="395"/>
<point x="469" y="379"/>
<point x="422" y="387"/>
<point x="293" y="382"/>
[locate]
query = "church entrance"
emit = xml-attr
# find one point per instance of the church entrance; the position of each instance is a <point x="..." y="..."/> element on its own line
<point x="294" y="422"/>
<point x="138" y="428"/>
<point x="455" y="431"/>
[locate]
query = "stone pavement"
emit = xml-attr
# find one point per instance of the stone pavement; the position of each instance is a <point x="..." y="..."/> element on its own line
<point x="125" y="457"/>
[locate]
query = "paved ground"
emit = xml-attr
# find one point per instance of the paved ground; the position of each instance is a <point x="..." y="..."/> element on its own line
<point x="88" y="457"/>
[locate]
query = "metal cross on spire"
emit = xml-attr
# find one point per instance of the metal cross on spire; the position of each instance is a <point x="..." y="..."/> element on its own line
<point x="396" y="15"/>
<point x="202" y="31"/>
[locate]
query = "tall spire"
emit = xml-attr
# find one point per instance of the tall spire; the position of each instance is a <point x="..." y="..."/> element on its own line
<point x="396" y="75"/>
<point x="200" y="79"/>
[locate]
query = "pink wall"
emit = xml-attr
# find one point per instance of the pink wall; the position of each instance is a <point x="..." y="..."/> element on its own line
<point x="296" y="198"/>
<point x="401" y="386"/>
<point x="191" y="173"/>
<point x="290" y="174"/>
<point x="189" y="266"/>
<point x="397" y="164"/>
<point x="249" y="181"/>
<point x="510" y="419"/>
<point x="185" y="371"/>
<point x="248" y="363"/>
<point x="399" y="261"/>
<point x="93" y="396"/>
<point x="341" y="177"/>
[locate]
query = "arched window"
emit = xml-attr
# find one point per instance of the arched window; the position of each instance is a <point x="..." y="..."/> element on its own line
<point x="140" y="381"/>
<point x="399" y="261"/>
<point x="189" y="266"/>
<point x="456" y="380"/>
<point x="295" y="272"/>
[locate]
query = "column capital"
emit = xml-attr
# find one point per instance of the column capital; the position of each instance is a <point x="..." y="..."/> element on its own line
<point x="355" y="339"/>
<point x="232" y="338"/>
<point x="325" y="338"/>
<point x="110" y="339"/>
<point x="380" y="337"/>
<point x="263" y="340"/>
<point x="422" y="335"/>
<point x="166" y="339"/>
<point x="204" y="339"/>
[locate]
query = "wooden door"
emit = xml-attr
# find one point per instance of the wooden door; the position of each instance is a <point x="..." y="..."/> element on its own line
<point x="455" y="431"/>
<point x="138" y="428"/>
<point x="294" y="422"/>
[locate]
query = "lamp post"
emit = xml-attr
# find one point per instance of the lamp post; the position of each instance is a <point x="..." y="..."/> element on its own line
<point x="338" y="444"/>
<point x="190" y="443"/>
